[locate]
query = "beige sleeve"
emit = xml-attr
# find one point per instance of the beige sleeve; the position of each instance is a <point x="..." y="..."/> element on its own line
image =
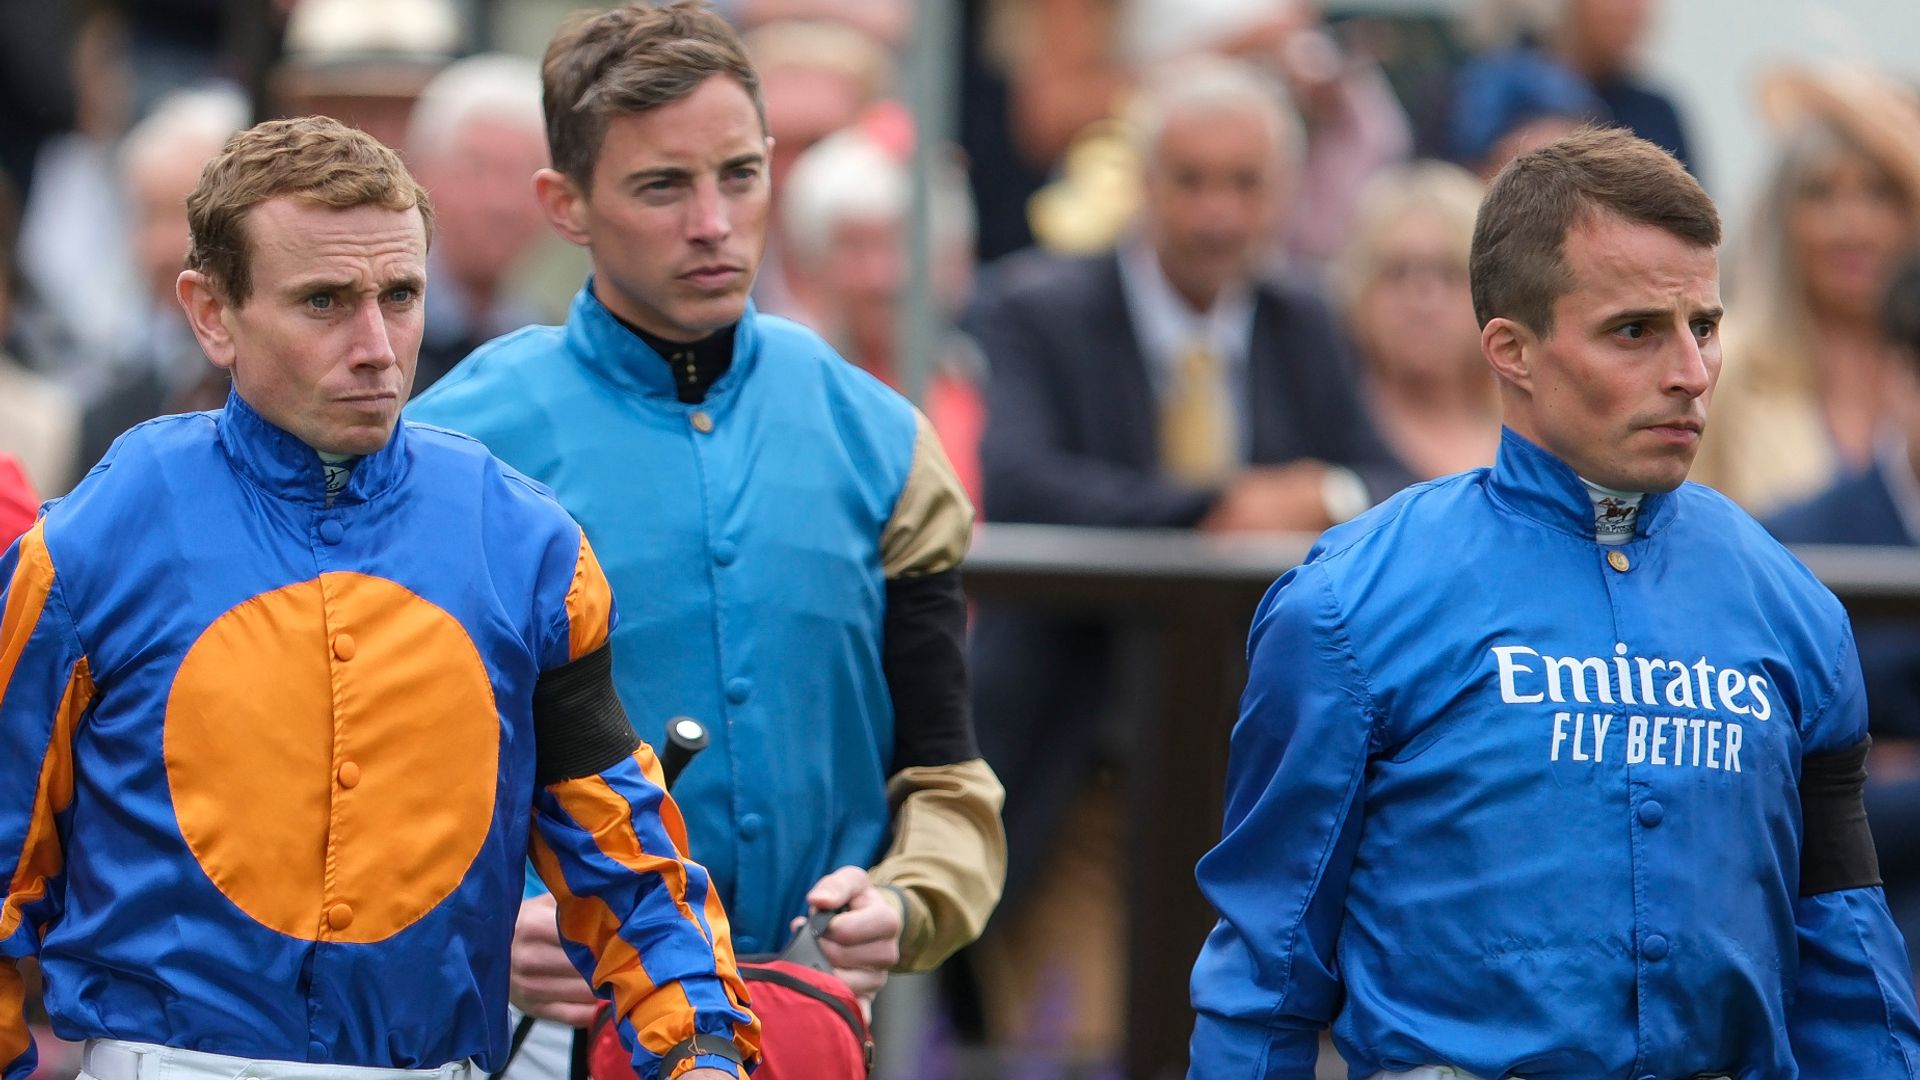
<point x="932" y="522"/>
<point x="948" y="860"/>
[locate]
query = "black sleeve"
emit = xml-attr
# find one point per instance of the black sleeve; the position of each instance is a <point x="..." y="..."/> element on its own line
<point x="579" y="725"/>
<point x="1836" y="850"/>
<point x="925" y="660"/>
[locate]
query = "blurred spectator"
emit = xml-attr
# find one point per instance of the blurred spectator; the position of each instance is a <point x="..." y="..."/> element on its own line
<point x="18" y="503"/>
<point x="1158" y="384"/>
<point x="475" y="140"/>
<point x="39" y="420"/>
<point x="1014" y="54"/>
<point x="1557" y="60"/>
<point x="364" y="62"/>
<point x="1402" y="286"/>
<point x="818" y="76"/>
<point x="1880" y="504"/>
<point x="1806" y="375"/>
<point x="34" y="82"/>
<point x="1599" y="40"/>
<point x="74" y="255"/>
<point x="886" y="21"/>
<point x="174" y="45"/>
<point x="1510" y="103"/>
<point x="1062" y="65"/>
<point x="843" y="230"/>
<point x="1352" y="124"/>
<point x="158" y="366"/>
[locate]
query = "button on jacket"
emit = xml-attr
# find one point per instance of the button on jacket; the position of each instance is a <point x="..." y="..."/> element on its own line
<point x="267" y="760"/>
<point x="1503" y="802"/>
<point x="752" y="539"/>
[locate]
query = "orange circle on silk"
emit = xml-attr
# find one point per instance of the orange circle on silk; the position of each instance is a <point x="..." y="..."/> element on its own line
<point x="262" y="716"/>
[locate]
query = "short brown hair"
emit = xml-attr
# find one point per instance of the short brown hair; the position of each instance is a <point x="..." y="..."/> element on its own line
<point x="312" y="157"/>
<point x="631" y="59"/>
<point x="1518" y="267"/>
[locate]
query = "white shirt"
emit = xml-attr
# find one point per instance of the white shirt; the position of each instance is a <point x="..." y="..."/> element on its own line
<point x="1166" y="327"/>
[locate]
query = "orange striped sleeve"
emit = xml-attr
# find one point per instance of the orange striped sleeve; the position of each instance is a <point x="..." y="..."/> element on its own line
<point x="24" y="706"/>
<point x="27" y="594"/>
<point x="662" y="1020"/>
<point x="661" y="1016"/>
<point x="589" y="604"/>
<point x="42" y="858"/>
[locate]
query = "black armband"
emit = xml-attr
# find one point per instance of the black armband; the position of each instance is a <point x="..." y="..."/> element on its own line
<point x="709" y="1045"/>
<point x="924" y="658"/>
<point x="1836" y="850"/>
<point x="579" y="726"/>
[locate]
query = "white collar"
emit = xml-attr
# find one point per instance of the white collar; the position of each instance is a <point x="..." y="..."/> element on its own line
<point x="1166" y="326"/>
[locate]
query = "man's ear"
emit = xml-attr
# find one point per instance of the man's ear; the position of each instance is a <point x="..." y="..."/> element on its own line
<point x="207" y="313"/>
<point x="1506" y="345"/>
<point x="564" y="204"/>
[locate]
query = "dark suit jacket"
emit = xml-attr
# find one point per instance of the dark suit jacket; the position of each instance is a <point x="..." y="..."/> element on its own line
<point x="1860" y="509"/>
<point x="1072" y="438"/>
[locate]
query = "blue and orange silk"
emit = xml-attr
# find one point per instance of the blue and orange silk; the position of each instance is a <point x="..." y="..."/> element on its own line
<point x="267" y="764"/>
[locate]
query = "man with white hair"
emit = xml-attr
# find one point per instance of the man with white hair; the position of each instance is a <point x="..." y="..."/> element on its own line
<point x="843" y="242"/>
<point x="1162" y="384"/>
<point x="476" y="137"/>
<point x="158" y="367"/>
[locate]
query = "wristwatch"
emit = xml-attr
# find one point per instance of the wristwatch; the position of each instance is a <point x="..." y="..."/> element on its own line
<point x="1343" y="494"/>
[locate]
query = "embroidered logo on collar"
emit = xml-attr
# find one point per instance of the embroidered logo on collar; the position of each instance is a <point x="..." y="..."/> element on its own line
<point x="1614" y="516"/>
<point x="338" y="473"/>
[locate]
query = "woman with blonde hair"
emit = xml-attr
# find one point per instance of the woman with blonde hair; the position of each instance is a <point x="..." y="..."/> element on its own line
<point x="1807" y="375"/>
<point x="1402" y="288"/>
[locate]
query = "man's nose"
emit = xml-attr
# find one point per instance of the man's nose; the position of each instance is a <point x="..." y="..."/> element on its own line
<point x="1689" y="375"/>
<point x="709" y="220"/>
<point x="372" y="343"/>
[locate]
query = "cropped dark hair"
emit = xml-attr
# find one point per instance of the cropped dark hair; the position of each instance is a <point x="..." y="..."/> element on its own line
<point x="631" y="59"/>
<point x="1518" y="267"/>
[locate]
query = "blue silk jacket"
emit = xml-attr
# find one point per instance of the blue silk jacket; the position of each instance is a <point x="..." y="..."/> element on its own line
<point x="1508" y="800"/>
<point x="267" y="763"/>
<point x="744" y="537"/>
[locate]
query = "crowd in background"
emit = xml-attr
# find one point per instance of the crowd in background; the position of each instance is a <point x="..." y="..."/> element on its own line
<point x="1203" y="265"/>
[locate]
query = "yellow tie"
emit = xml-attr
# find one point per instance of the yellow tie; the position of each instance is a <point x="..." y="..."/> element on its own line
<point x="1194" y="431"/>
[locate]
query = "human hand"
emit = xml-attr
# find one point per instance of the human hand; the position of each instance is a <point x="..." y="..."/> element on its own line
<point x="863" y="942"/>
<point x="544" y="983"/>
<point x="1273" y="498"/>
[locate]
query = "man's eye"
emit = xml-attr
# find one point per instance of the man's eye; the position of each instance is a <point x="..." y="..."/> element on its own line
<point x="1703" y="329"/>
<point x="320" y="301"/>
<point x="1633" y="331"/>
<point x="401" y="296"/>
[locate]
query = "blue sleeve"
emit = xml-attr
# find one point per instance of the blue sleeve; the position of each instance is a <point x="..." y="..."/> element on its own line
<point x="45" y="687"/>
<point x="638" y="917"/>
<point x="1266" y="982"/>
<point x="1853" y="1014"/>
